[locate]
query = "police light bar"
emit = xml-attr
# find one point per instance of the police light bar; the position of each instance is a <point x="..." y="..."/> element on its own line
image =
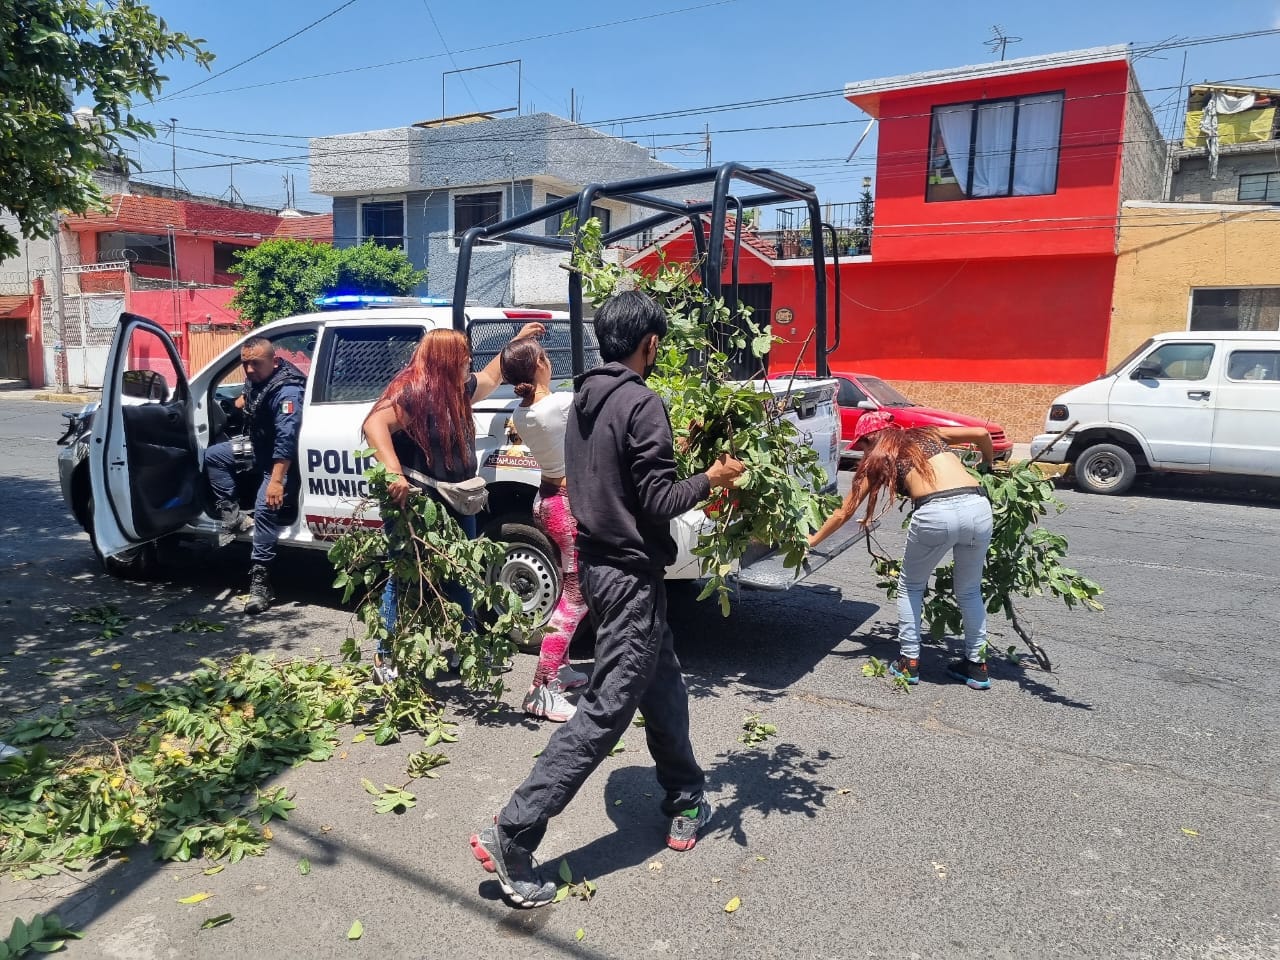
<point x="379" y="300"/>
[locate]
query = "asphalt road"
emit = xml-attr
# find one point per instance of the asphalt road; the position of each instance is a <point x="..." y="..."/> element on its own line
<point x="1124" y="805"/>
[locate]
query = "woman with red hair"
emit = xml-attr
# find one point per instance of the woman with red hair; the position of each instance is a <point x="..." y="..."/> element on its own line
<point x="950" y="514"/>
<point x="422" y="430"/>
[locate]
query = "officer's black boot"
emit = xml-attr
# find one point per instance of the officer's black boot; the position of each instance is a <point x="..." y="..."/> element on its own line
<point x="260" y="596"/>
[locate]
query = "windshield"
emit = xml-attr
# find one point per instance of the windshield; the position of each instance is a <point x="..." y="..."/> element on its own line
<point x="884" y="394"/>
<point x="1126" y="361"/>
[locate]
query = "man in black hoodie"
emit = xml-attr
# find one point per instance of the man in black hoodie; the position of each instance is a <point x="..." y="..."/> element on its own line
<point x="621" y="470"/>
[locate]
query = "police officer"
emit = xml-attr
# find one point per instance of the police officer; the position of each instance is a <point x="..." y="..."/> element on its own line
<point x="272" y="404"/>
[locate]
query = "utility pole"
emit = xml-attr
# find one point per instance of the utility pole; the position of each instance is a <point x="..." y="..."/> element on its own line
<point x="59" y="312"/>
<point x="706" y="142"/>
<point x="173" y="151"/>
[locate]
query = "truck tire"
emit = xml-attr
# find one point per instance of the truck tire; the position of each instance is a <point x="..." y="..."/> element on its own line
<point x="1105" y="468"/>
<point x="138" y="563"/>
<point x="530" y="568"/>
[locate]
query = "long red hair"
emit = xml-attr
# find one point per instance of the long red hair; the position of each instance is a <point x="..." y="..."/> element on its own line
<point x="880" y="463"/>
<point x="430" y="396"/>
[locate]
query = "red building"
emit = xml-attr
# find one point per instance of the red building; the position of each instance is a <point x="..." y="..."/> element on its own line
<point x="167" y="257"/>
<point x="993" y="246"/>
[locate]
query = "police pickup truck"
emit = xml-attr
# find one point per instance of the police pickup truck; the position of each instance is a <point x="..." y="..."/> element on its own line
<point x="131" y="469"/>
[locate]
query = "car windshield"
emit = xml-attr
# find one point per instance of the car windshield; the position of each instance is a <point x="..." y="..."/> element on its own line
<point x="884" y="394"/>
<point x="1126" y="361"/>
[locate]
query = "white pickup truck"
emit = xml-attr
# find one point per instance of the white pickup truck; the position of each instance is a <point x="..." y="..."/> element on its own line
<point x="131" y="471"/>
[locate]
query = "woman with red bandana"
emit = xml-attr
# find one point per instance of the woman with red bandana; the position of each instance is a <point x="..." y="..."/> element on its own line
<point x="950" y="514"/>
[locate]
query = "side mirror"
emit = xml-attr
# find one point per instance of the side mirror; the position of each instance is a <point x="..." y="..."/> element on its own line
<point x="144" y="385"/>
<point x="867" y="405"/>
<point x="1145" y="371"/>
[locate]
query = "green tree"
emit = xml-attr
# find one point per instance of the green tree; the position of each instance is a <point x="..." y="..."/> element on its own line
<point x="51" y="51"/>
<point x="283" y="277"/>
<point x="371" y="268"/>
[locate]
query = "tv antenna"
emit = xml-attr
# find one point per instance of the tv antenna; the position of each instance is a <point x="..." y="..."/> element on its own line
<point x="1000" y="40"/>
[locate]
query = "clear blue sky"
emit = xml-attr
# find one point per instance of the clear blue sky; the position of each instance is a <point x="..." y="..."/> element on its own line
<point x="693" y="54"/>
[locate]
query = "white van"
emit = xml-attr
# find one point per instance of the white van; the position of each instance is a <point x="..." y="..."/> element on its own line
<point x="1189" y="402"/>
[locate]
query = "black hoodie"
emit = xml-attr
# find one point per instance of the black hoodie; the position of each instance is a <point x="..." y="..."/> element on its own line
<point x="621" y="471"/>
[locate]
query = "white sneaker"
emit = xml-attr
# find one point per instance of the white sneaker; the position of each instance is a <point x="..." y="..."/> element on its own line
<point x="7" y="751"/>
<point x="548" y="702"/>
<point x="570" y="678"/>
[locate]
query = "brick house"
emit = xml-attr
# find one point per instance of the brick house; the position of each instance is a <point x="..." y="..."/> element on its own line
<point x="152" y="251"/>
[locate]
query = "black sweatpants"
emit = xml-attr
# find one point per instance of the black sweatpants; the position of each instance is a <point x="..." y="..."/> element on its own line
<point x="635" y="666"/>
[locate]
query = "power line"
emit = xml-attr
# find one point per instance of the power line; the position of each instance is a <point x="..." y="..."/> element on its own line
<point x="436" y="56"/>
<point x="260" y="53"/>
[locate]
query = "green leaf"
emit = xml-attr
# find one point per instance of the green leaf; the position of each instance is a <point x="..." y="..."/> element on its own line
<point x="304" y="866"/>
<point x="217" y="921"/>
<point x="565" y="873"/>
<point x="579" y="934"/>
<point x="356" y="931"/>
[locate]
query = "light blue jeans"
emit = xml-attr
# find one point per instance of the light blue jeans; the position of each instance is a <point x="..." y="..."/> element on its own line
<point x="962" y="525"/>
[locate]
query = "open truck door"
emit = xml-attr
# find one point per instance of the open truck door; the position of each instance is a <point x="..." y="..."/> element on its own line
<point x="144" y="464"/>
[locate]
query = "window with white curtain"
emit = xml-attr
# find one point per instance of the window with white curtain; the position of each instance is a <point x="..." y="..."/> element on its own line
<point x="995" y="148"/>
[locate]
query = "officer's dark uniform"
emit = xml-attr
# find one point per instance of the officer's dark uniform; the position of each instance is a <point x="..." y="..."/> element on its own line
<point x="273" y="411"/>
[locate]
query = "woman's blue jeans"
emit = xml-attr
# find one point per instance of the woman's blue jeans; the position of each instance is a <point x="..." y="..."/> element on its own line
<point x="452" y="589"/>
<point x="961" y="525"/>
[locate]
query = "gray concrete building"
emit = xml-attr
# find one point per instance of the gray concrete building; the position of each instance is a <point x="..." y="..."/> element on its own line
<point x="419" y="187"/>
<point x="1231" y="157"/>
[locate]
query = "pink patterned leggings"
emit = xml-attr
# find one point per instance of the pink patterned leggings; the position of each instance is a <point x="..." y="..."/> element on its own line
<point x="556" y="519"/>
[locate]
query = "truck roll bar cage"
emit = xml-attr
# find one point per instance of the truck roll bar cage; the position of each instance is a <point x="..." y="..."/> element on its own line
<point x="778" y="188"/>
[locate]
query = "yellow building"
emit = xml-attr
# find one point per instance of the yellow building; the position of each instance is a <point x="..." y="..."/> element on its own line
<point x="1194" y="266"/>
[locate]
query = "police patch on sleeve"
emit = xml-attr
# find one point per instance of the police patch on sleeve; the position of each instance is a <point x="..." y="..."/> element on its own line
<point x="287" y="406"/>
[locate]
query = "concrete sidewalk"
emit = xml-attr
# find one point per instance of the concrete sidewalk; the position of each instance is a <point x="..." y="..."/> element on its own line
<point x="18" y="390"/>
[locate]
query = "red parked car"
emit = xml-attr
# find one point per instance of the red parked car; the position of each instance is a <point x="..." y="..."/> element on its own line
<point x="860" y="393"/>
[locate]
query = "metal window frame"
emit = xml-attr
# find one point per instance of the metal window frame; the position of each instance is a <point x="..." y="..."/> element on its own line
<point x="778" y="188"/>
<point x="503" y="203"/>
<point x="973" y="106"/>
<point x="362" y="202"/>
<point x="1271" y="184"/>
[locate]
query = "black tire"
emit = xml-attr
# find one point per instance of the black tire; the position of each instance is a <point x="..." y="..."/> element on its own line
<point x="1105" y="468"/>
<point x="139" y="563"/>
<point x="530" y="567"/>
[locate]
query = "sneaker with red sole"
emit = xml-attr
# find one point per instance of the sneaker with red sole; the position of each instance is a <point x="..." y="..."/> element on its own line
<point x="683" y="832"/>
<point x="517" y="872"/>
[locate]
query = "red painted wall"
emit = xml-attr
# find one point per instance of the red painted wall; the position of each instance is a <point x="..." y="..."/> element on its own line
<point x="751" y="268"/>
<point x="176" y="310"/>
<point x="1034" y="320"/>
<point x="1081" y="215"/>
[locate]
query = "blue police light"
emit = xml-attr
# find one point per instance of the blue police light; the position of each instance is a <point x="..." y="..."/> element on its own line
<point x="379" y="300"/>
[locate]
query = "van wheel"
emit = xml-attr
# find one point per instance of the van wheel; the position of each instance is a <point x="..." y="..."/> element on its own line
<point x="530" y="570"/>
<point x="1105" y="468"/>
<point x="138" y="563"/>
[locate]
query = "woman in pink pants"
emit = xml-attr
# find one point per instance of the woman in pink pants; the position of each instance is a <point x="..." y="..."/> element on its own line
<point x="540" y="420"/>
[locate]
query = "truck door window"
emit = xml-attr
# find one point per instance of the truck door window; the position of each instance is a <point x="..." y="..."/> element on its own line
<point x="489" y="336"/>
<point x="1179" y="361"/>
<point x="296" y="346"/>
<point x="1254" y="365"/>
<point x="357" y="363"/>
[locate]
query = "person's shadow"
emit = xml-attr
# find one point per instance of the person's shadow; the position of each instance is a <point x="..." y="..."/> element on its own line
<point x="743" y="783"/>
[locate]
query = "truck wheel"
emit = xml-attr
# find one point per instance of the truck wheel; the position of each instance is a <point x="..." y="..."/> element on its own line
<point x="529" y="569"/>
<point x="1105" y="468"/>
<point x="139" y="563"/>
